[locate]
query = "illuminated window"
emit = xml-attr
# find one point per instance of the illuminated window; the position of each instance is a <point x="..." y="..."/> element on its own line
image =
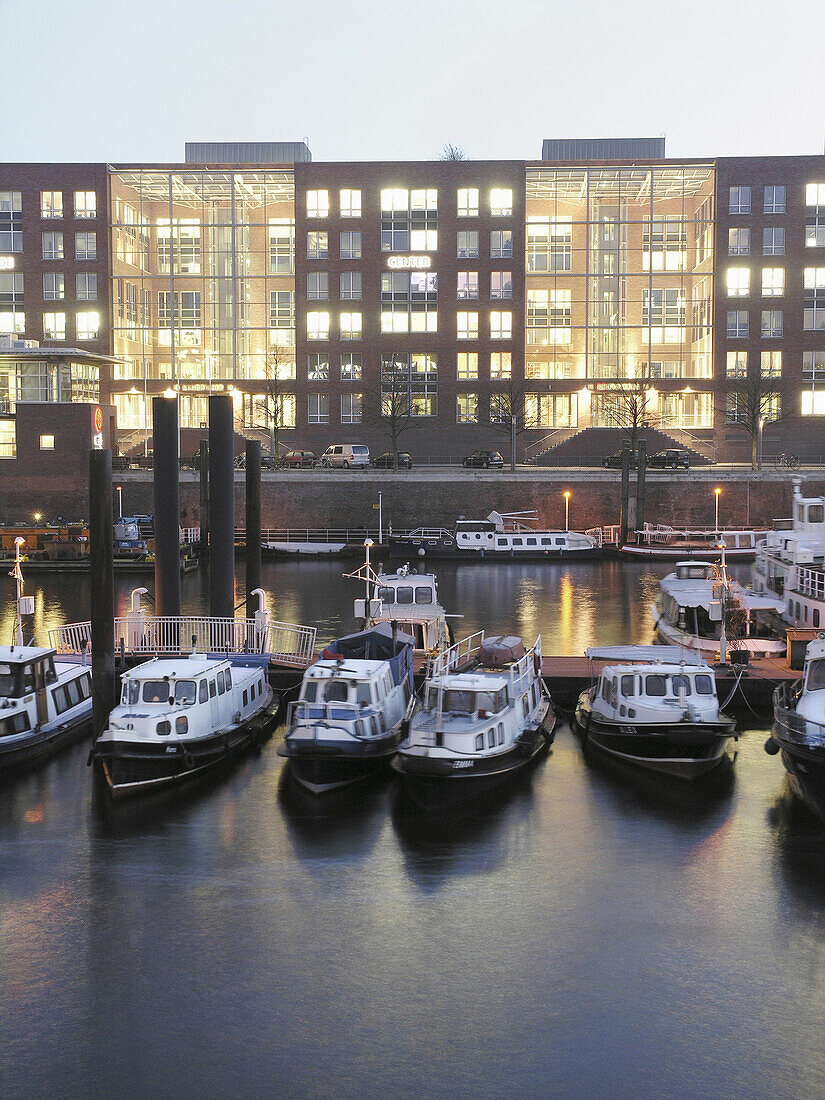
<point x="11" y="222"/>
<point x="773" y="241"/>
<point x="815" y="215"/>
<point x="351" y="408"/>
<point x="736" y="365"/>
<point x="770" y="364"/>
<point x="281" y="318"/>
<point x="772" y="323"/>
<point x="738" y="408"/>
<point x="550" y="244"/>
<point x="350" y="326"/>
<point x="317" y="204"/>
<point x="467" y="284"/>
<point x="51" y="204"/>
<point x="409" y="301"/>
<point x="8" y="439"/>
<point x="351" y="370"/>
<point x="738" y="281"/>
<point x="739" y="242"/>
<point x="740" y="200"/>
<point x="813" y="365"/>
<point x="737" y="323"/>
<point x="501" y="325"/>
<point x="46" y="442"/>
<point x="773" y="282"/>
<point x="409" y="384"/>
<point x="318" y="366"/>
<point x="85" y="246"/>
<point x="317" y="286"/>
<point x="549" y="316"/>
<point x="318" y="245"/>
<point x="813" y="371"/>
<point x="501" y="284"/>
<point x="318" y="408"/>
<point x="52" y="246"/>
<point x="281" y="246"/>
<point x="261" y="410"/>
<point x="467" y="202"/>
<point x="351" y="245"/>
<point x="467" y="364"/>
<point x="186" y="306"/>
<point x="350" y="203"/>
<point x="501" y="202"/>
<point x="774" y="199"/>
<point x="501" y="364"/>
<point x="12" y="316"/>
<point x="467" y="244"/>
<point x="179" y="246"/>
<point x="409" y="220"/>
<point x="550" y="410"/>
<point x="54" y="326"/>
<point x="85" y="204"/>
<point x="87" y="325"/>
<point x="466" y="408"/>
<point x="467" y="324"/>
<point x="814" y="298"/>
<point x="86" y="286"/>
<point x="666" y="237"/>
<point x="813" y="402"/>
<point x="350" y="286"/>
<point x="317" y="326"/>
<point x="501" y="244"/>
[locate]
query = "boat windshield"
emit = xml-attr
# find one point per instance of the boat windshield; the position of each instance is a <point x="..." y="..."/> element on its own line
<point x="185" y="692"/>
<point x="423" y="594"/>
<point x="816" y="675"/>
<point x="155" y="691"/>
<point x="8" y="677"/>
<point x="336" y="691"/>
<point x="680" y="683"/>
<point x="459" y="702"/>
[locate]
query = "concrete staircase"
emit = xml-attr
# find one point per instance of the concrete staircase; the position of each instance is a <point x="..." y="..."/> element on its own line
<point x="588" y="446"/>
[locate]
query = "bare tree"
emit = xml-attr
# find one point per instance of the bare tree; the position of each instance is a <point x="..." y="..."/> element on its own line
<point x="509" y="413"/>
<point x="278" y="367"/>
<point x="634" y="408"/>
<point x="753" y="402"/>
<point x="452" y="152"/>
<point x="393" y="414"/>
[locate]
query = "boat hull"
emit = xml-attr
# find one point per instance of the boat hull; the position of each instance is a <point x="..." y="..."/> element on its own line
<point x="320" y="767"/>
<point x="806" y="773"/>
<point x="682" y="552"/>
<point x="403" y="550"/>
<point x="39" y="745"/>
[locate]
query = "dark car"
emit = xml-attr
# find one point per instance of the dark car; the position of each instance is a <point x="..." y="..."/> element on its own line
<point x="614" y="462"/>
<point x="485" y="459"/>
<point x="671" y="459"/>
<point x="267" y="461"/>
<point x="299" y="460"/>
<point x="385" y="461"/>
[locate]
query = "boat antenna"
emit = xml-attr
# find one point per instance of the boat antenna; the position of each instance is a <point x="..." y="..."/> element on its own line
<point x="17" y="573"/>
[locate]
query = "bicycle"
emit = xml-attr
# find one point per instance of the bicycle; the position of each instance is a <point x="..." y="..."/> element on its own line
<point x="790" y="461"/>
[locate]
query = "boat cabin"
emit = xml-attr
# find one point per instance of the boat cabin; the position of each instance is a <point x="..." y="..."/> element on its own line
<point x="24" y="670"/>
<point x="333" y="682"/>
<point x="635" y="692"/>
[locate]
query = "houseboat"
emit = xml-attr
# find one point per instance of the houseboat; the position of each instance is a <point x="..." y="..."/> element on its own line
<point x="790" y="563"/>
<point x="502" y="536"/>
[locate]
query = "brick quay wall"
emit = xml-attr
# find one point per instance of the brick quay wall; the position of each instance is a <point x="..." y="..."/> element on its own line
<point x="438" y="496"/>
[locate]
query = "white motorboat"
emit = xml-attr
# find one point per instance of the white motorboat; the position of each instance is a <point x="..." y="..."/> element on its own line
<point x="799" y="729"/>
<point x="484" y="714"/>
<point x="346" y="723"/>
<point x="655" y="707"/>
<point x="659" y="542"/>
<point x="790" y="563"/>
<point x="179" y="717"/>
<point x="501" y="536"/>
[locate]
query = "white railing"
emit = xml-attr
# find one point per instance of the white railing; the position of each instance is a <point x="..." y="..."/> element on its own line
<point x="811" y="582"/>
<point x="611" y="535"/>
<point x="284" y="643"/>
<point x="189" y="535"/>
<point x="458" y="654"/>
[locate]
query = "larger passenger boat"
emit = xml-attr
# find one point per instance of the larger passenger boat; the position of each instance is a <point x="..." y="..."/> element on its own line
<point x="655" y="707"/>
<point x="799" y="729"/>
<point x="501" y="536"/>
<point x="790" y="563"/>
<point x="660" y="542"/>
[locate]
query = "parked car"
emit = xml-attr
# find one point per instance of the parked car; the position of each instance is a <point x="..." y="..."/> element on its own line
<point x="614" y="462"/>
<point x="385" y="461"/>
<point x="485" y="459"/>
<point x="671" y="459"/>
<point x="267" y="461"/>
<point x="299" y="460"/>
<point x="345" y="455"/>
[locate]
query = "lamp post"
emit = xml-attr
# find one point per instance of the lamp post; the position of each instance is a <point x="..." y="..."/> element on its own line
<point x="759" y="440"/>
<point x="567" y="509"/>
<point x="716" y="493"/>
<point x="119" y="501"/>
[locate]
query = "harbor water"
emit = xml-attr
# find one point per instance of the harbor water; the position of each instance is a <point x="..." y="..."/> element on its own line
<point x="584" y="933"/>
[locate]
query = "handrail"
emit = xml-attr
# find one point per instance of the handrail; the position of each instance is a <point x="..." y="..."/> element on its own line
<point x="458" y="653"/>
<point x="789" y="723"/>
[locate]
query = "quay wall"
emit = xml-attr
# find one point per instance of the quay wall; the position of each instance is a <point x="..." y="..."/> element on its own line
<point x="437" y="496"/>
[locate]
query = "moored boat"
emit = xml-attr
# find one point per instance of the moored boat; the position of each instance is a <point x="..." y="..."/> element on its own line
<point x="655" y="707"/>
<point x="501" y="536"/>
<point x="799" y="729"/>
<point x="660" y="542"/>
<point x="790" y="563"/>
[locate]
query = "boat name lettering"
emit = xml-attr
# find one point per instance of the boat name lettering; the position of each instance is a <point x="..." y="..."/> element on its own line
<point x="462" y="763"/>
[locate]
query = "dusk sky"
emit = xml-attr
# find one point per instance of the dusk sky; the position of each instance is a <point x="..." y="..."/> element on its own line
<point x="361" y="80"/>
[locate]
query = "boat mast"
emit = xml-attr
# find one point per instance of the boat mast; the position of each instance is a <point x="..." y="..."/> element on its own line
<point x="17" y="573"/>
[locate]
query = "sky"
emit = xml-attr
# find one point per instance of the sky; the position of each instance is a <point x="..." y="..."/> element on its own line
<point x="108" y="80"/>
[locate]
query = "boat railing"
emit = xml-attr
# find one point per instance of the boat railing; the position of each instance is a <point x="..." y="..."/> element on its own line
<point x="792" y="725"/>
<point x="458" y="654"/>
<point x="136" y="634"/>
<point x="811" y="582"/>
<point x="304" y="711"/>
<point x="610" y="535"/>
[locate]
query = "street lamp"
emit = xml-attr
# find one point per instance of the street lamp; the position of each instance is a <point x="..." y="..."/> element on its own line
<point x="119" y="501"/>
<point x="37" y="517"/>
<point x="567" y="509"/>
<point x="759" y="441"/>
<point x="716" y="493"/>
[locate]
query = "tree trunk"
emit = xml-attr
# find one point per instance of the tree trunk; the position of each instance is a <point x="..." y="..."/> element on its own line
<point x="513" y="444"/>
<point x="754" y="441"/>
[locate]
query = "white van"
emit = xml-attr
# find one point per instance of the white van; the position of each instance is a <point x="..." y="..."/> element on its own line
<point x="346" y="455"/>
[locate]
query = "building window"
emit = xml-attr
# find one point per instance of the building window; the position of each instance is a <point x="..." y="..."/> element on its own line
<point x="53" y="286"/>
<point x="501" y="284"/>
<point x="46" y="442"/>
<point x="51" y="204"/>
<point x="85" y="204"/>
<point x="738" y="281"/>
<point x="739" y="242"/>
<point x="467" y="244"/>
<point x="317" y="326"/>
<point x="501" y="325"/>
<point x="318" y="408"/>
<point x="736" y="364"/>
<point x="738" y="410"/>
<point x="409" y="384"/>
<point x="740" y="200"/>
<point x="186" y="306"/>
<point x="737" y="323"/>
<point x="11" y="222"/>
<point x="350" y="286"/>
<point x="350" y="203"/>
<point x="281" y="318"/>
<point x="813" y="402"/>
<point x="8" y="439"/>
<point x="549" y="316"/>
<point x="467" y="326"/>
<point x="467" y="284"/>
<point x="466" y="408"/>
<point x="261" y="410"/>
<point x="351" y="370"/>
<point x="467" y="202"/>
<point x="773" y="282"/>
<point x="813" y="371"/>
<point x="179" y="246"/>
<point x="551" y="410"/>
<point x="318" y="366"/>
<point x="501" y="202"/>
<point x="772" y="323"/>
<point x="350" y="326"/>
<point x="409" y="220"/>
<point x="86" y="286"/>
<point x="814" y="298"/>
<point x="770" y="364"/>
<point x="813" y="365"/>
<point x="52" y="246"/>
<point x="773" y="241"/>
<point x="317" y="204"/>
<point x="550" y="244"/>
<point x="467" y="365"/>
<point x="85" y="246"/>
<point x="351" y="406"/>
<point x="501" y="364"/>
<point x="815" y="215"/>
<point x="409" y="301"/>
<point x="318" y="245"/>
<point x="87" y="324"/>
<point x="54" y="326"/>
<point x="317" y="286"/>
<point x="12" y="316"/>
<point x="501" y="244"/>
<point x="281" y="246"/>
<point x="774" y="199"/>
<point x="351" y="244"/>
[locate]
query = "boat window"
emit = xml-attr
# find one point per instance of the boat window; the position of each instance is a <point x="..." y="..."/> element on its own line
<point x="517" y="542"/>
<point x="309" y="691"/>
<point x="15" y="723"/>
<point x="546" y="542"/>
<point x="525" y="706"/>
<point x="491" y="737"/>
<point x="203" y="692"/>
<point x="680" y="682"/>
<point x="501" y="733"/>
<point x="816" y="513"/>
<point x="386" y="594"/>
<point x="816" y="675"/>
<point x="532" y="542"/>
<point x="376" y="732"/>
<point x="704" y="684"/>
<point x="404" y="594"/>
<point x="134" y="691"/>
<point x="85" y="684"/>
<point x="502" y="542"/>
<point x="560" y="542"/>
<point x="245" y="698"/>
<point x="251" y="693"/>
<point x="7" y="679"/>
<point x="51" y="675"/>
<point x="480" y="741"/>
<point x="185" y="692"/>
<point x="424" y="594"/>
<point x="628" y="686"/>
<point x="362" y="692"/>
<point x="656" y="685"/>
<point x="28" y="679"/>
<point x="816" y="616"/>
<point x="227" y="675"/>
<point x="155" y="691"/>
<point x="336" y="691"/>
<point x="221" y="683"/>
<point x="486" y="700"/>
<point x="213" y="691"/>
<point x="459" y="702"/>
<point x="124" y="694"/>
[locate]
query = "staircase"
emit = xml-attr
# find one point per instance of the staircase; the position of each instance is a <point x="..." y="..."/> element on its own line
<point x="588" y="446"/>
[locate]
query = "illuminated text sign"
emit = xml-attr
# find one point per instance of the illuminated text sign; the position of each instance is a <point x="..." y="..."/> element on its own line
<point x="416" y="263"/>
